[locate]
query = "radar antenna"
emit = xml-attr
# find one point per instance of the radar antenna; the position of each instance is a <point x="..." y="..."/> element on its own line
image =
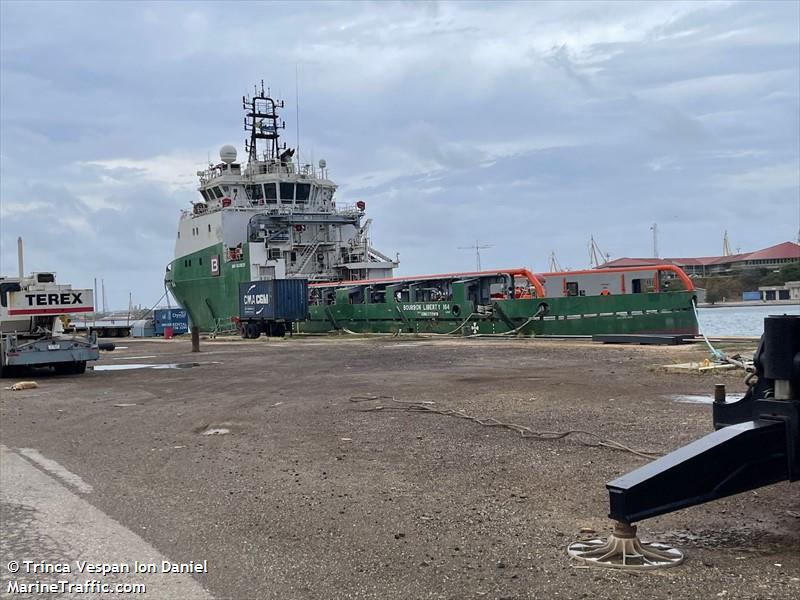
<point x="262" y="121"/>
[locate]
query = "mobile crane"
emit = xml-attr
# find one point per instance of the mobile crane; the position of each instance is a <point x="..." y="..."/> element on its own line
<point x="32" y="328"/>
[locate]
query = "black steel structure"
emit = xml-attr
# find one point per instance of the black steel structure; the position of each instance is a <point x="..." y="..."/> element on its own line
<point x="756" y="442"/>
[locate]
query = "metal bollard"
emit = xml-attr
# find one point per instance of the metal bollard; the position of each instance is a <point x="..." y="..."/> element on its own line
<point x="719" y="393"/>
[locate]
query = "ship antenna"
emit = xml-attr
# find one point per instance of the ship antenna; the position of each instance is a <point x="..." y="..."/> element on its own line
<point x="297" y="110"/>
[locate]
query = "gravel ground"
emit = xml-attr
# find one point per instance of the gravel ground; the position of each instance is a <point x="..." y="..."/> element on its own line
<point x="305" y="494"/>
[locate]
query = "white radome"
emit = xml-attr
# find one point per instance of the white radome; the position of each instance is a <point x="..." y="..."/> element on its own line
<point x="227" y="154"/>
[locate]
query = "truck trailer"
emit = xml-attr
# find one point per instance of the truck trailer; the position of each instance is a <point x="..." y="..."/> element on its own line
<point x="271" y="306"/>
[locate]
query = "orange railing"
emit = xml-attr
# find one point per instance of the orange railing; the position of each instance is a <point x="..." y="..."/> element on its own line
<point x="655" y="269"/>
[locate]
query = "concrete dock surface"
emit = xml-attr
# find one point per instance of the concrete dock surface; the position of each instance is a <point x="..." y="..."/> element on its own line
<point x="267" y="460"/>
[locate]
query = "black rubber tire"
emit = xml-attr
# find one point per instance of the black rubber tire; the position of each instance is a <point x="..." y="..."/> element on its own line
<point x="8" y="371"/>
<point x="253" y="331"/>
<point x="63" y="368"/>
<point x="79" y="367"/>
<point x="279" y="330"/>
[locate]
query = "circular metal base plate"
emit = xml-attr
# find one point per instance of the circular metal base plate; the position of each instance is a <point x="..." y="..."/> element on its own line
<point x="625" y="553"/>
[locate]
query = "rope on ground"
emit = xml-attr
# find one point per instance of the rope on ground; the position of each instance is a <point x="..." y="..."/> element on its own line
<point x="587" y="438"/>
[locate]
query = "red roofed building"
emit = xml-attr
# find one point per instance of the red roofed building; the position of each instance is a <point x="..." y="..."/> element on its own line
<point x="768" y="258"/>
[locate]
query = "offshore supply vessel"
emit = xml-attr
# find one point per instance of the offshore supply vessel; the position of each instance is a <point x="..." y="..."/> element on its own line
<point x="274" y="218"/>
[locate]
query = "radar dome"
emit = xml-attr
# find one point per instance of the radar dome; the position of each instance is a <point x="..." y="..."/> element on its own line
<point x="227" y="154"/>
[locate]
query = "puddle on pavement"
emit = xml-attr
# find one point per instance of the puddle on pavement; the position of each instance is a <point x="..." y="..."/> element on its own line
<point x="703" y="398"/>
<point x="131" y="366"/>
<point x="215" y="431"/>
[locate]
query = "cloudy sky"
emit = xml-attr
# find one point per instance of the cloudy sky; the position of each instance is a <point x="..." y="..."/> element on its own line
<point x="527" y="126"/>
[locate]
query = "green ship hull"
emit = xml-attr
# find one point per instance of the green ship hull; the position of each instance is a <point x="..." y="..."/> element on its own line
<point x="212" y="303"/>
<point x="211" y="300"/>
<point x="666" y="312"/>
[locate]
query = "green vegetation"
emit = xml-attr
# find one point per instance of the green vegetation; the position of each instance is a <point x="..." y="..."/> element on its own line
<point x="730" y="287"/>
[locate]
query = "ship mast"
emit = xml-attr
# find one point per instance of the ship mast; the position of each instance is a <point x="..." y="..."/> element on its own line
<point x="261" y="120"/>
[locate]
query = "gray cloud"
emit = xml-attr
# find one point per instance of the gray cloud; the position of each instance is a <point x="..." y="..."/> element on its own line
<point x="527" y="126"/>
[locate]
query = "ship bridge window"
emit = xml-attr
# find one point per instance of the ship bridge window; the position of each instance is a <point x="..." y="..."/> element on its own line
<point x="206" y="196"/>
<point x="270" y="193"/>
<point x="287" y="193"/>
<point x="217" y="192"/>
<point x="254" y="192"/>
<point x="572" y="288"/>
<point x="303" y="192"/>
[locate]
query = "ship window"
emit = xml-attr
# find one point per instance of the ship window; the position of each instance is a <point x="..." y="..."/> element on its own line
<point x="303" y="191"/>
<point x="294" y="257"/>
<point x="204" y="195"/>
<point x="5" y="288"/>
<point x="201" y="260"/>
<point x="209" y="228"/>
<point x="254" y="192"/>
<point x="179" y="235"/>
<point x="270" y="193"/>
<point x="572" y="288"/>
<point x="217" y="192"/>
<point x="287" y="192"/>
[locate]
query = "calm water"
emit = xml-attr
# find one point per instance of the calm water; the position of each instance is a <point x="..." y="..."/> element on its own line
<point x="741" y="320"/>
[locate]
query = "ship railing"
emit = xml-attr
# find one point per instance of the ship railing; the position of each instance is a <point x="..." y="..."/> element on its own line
<point x="349" y="209"/>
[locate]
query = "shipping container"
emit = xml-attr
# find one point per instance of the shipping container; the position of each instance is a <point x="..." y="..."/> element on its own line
<point x="177" y="318"/>
<point x="269" y="306"/>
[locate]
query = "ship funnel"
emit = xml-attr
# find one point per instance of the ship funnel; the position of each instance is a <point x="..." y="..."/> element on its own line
<point x="20" y="264"/>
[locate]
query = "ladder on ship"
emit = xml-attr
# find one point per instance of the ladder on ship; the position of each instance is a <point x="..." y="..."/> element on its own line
<point x="306" y="254"/>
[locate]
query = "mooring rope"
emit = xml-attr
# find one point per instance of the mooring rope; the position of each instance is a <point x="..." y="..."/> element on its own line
<point x="714" y="352"/>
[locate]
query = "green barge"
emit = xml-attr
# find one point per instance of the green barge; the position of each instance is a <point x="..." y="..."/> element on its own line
<point x="509" y="302"/>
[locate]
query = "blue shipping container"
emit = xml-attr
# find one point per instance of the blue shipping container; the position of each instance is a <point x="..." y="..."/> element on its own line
<point x="274" y="300"/>
<point x="751" y="295"/>
<point x="177" y="318"/>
